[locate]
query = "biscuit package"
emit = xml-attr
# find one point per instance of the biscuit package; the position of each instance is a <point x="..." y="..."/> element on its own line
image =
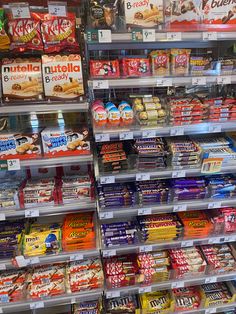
<point x="22" y="79"/>
<point x="146" y="13"/>
<point x="183" y="14"/>
<point x="59" y="141"/>
<point x="22" y="145"/>
<point x="62" y="76"/>
<point x="219" y="13"/>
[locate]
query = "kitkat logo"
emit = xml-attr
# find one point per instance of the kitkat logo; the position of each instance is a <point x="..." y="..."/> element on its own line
<point x="58" y="26"/>
<point x="161" y="59"/>
<point x="137" y="4"/>
<point x="181" y="59"/>
<point x="21" y="27"/>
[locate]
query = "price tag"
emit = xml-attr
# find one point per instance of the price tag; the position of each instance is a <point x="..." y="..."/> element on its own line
<point x="21" y="261"/>
<point x="57" y="8"/>
<point x="126" y="136"/>
<point x="178" y="284"/>
<point x="214" y="205"/>
<point x="76" y="257"/>
<point x="230" y="238"/>
<point x="73" y="301"/>
<point x="101" y="84"/>
<point x="187" y="243"/>
<point x="209" y="35"/>
<point x="102" y="137"/>
<point x="179" y="174"/>
<point x="20" y="10"/>
<point x="1" y="310"/>
<point x="164" y="82"/>
<point x="142" y="176"/>
<point x="3" y="266"/>
<point x="144" y="211"/>
<point x="33" y="260"/>
<point x="174" y="36"/>
<point x="216" y="240"/>
<point x="149" y="35"/>
<point x="214" y="128"/>
<point x="109" y="253"/>
<point x="107" y="215"/>
<point x="104" y="36"/>
<point x="145" y="248"/>
<point x="107" y="180"/>
<point x="145" y="289"/>
<point x="223" y="80"/>
<point x="113" y="294"/>
<point x="211" y="280"/>
<point x="2" y="216"/>
<point x="13" y="164"/>
<point x="149" y="133"/>
<point x="176" y="131"/>
<point x="180" y="208"/>
<point x="199" y="80"/>
<point x="211" y="310"/>
<point x="31" y="213"/>
<point x="211" y="165"/>
<point x="37" y="305"/>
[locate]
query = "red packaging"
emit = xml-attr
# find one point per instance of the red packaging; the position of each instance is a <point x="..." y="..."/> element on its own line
<point x="135" y="67"/>
<point x="25" y="33"/>
<point x="59" y="33"/>
<point x="104" y="68"/>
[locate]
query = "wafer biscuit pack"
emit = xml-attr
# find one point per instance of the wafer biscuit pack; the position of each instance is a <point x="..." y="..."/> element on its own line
<point x="143" y="13"/>
<point x="22" y="79"/>
<point x="62" y="76"/>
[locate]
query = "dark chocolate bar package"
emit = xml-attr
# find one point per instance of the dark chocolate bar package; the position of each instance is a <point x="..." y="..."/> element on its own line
<point x="103" y="14"/>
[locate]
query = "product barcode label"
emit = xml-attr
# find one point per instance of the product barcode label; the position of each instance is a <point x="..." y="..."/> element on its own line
<point x="177" y="284"/>
<point x="109" y="253"/>
<point x="104" y="36"/>
<point x="37" y="305"/>
<point x="199" y="81"/>
<point x="126" y="136"/>
<point x="148" y="133"/>
<point x="214" y="205"/>
<point x="174" y="36"/>
<point x="13" y="164"/>
<point x="144" y="211"/>
<point x="76" y="257"/>
<point x="142" y="176"/>
<point x="177" y="131"/>
<point x="165" y="82"/>
<point x="102" y="137"/>
<point x="187" y="243"/>
<point x="149" y="35"/>
<point x="107" y="180"/>
<point x="101" y="84"/>
<point x="209" y="35"/>
<point x="31" y="213"/>
<point x="107" y="215"/>
<point x="211" y="280"/>
<point x="57" y="8"/>
<point x="145" y="248"/>
<point x="145" y="289"/>
<point x="180" y="208"/>
<point x="113" y="294"/>
<point x="179" y="174"/>
<point x="20" y="10"/>
<point x="223" y="80"/>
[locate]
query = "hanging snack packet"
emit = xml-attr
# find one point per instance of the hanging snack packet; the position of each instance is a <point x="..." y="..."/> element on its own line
<point x="4" y="39"/>
<point x="25" y="32"/>
<point x="59" y="33"/>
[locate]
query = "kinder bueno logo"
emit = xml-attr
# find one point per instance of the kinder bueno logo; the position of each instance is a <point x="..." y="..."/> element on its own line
<point x="21" y="68"/>
<point x="69" y="67"/>
<point x="58" y="26"/>
<point x="181" y="59"/>
<point x="137" y="4"/>
<point x="217" y="3"/>
<point x="57" y="142"/>
<point x="21" y="27"/>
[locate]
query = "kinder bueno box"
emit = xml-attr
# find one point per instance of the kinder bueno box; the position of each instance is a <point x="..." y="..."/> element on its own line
<point x="62" y="76"/>
<point x="22" y="79"/>
<point x="20" y="144"/>
<point x="182" y="13"/>
<point x="219" y="13"/>
<point x="143" y="13"/>
<point x="59" y="141"/>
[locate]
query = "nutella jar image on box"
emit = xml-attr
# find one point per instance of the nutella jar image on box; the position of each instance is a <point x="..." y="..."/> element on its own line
<point x="143" y="13"/>
<point x="22" y="79"/>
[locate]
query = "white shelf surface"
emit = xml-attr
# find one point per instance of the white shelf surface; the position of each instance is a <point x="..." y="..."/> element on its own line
<point x="177" y="283"/>
<point x="140" y="210"/>
<point x="119" y="133"/>
<point x="43" y="107"/>
<point x="136" y="248"/>
<point x="55" y="301"/>
<point x="48" y="210"/>
<point x="153" y="81"/>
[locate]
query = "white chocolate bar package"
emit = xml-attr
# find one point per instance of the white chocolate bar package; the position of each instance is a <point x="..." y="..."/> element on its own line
<point x="143" y="13"/>
<point x="62" y="76"/>
<point x="22" y="79"/>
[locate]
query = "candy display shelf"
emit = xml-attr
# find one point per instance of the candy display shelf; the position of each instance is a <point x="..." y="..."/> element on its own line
<point x="43" y="107"/>
<point x="135" y="175"/>
<point x="171" y="284"/>
<point x="48" y="210"/>
<point x="153" y="81"/>
<point x="164" y="36"/>
<point x="54" y="301"/>
<point x="49" y="259"/>
<point x="107" y="134"/>
<point x="107" y="252"/>
<point x="139" y="210"/>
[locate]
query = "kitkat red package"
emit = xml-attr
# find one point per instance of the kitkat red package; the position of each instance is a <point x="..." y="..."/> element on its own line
<point x="59" y="33"/>
<point x="25" y="33"/>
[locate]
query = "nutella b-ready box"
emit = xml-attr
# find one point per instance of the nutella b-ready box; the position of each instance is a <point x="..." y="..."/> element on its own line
<point x="62" y="76"/>
<point x="22" y="79"/>
<point x="143" y="13"/>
